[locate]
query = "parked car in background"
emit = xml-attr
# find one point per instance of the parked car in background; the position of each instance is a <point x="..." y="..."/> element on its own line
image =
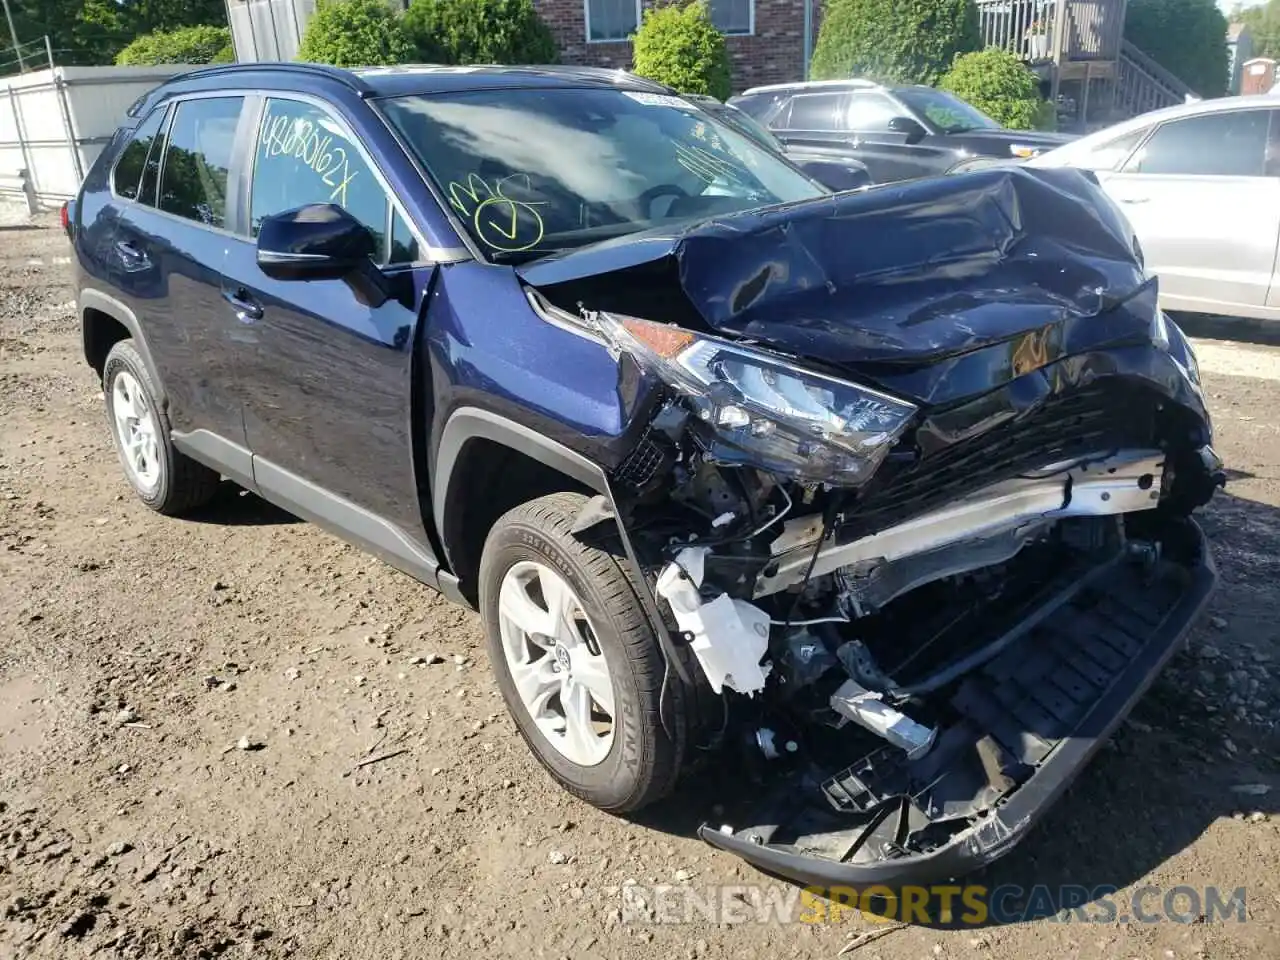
<point x="834" y="173"/>
<point x="1200" y="182"/>
<point x="899" y="132"/>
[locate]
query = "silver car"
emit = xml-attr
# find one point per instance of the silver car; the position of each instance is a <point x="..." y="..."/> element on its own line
<point x="1200" y="182"/>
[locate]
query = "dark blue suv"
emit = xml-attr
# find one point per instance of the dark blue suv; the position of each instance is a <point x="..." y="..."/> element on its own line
<point x="883" y="498"/>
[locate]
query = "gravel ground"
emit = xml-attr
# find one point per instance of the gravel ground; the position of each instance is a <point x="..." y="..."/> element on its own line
<point x="140" y="656"/>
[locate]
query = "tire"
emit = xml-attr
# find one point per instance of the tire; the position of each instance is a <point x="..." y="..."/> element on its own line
<point x="642" y="762"/>
<point x="167" y="481"/>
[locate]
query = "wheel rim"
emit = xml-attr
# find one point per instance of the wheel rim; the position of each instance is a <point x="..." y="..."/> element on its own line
<point x="556" y="663"/>
<point x="136" y="433"/>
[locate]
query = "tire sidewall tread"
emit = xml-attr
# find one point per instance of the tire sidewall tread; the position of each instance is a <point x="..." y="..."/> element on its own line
<point x="643" y="763"/>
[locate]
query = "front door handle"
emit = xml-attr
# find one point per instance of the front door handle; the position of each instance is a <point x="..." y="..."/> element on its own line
<point x="247" y="309"/>
<point x="1133" y="199"/>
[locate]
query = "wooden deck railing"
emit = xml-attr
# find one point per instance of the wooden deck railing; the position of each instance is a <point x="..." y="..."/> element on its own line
<point x="1037" y="30"/>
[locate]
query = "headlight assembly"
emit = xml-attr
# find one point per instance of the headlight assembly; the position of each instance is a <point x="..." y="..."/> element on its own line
<point x="760" y="409"/>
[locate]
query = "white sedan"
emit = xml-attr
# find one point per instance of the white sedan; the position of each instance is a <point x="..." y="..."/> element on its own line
<point x="1200" y="182"/>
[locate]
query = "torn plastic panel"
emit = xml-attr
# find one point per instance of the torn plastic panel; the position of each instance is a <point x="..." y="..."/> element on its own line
<point x="962" y="423"/>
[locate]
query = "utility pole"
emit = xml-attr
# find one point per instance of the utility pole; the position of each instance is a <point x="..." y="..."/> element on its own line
<point x="13" y="36"/>
<point x="808" y="36"/>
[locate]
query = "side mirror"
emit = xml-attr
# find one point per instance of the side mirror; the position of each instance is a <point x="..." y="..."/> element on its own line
<point x="909" y="126"/>
<point x="320" y="241"/>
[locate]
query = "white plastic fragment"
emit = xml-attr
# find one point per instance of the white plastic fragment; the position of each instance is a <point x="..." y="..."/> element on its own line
<point x="729" y="636"/>
<point x="865" y="708"/>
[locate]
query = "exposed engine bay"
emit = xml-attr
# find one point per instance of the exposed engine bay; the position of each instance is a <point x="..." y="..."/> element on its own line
<point x="916" y="511"/>
<point x="847" y="660"/>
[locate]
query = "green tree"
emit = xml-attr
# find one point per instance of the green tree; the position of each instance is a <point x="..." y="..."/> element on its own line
<point x="479" y="31"/>
<point x="677" y="45"/>
<point x="356" y="33"/>
<point x="184" y="45"/>
<point x="897" y="41"/>
<point x="95" y="31"/>
<point x="1186" y="37"/>
<point x="1263" y="22"/>
<point x="998" y="83"/>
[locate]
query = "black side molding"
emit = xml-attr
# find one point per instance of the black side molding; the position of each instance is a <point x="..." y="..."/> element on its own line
<point x="355" y="524"/>
<point x="93" y="299"/>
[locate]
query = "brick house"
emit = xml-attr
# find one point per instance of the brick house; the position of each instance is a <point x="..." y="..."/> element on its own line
<point x="765" y="37"/>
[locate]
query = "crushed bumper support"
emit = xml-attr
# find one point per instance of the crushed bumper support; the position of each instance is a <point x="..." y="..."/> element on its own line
<point x="1029" y="722"/>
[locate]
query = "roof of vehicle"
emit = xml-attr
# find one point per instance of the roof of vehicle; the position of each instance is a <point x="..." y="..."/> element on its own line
<point x="1143" y="120"/>
<point x="410" y="79"/>
<point x="803" y="85"/>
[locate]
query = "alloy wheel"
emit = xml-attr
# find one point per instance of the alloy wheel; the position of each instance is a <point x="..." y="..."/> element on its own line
<point x="556" y="663"/>
<point x="136" y="432"/>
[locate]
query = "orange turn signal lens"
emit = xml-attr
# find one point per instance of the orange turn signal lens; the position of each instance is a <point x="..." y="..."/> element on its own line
<point x="664" y="340"/>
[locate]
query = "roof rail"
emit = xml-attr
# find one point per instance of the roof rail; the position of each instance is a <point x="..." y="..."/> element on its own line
<point x="798" y="84"/>
<point x="345" y="77"/>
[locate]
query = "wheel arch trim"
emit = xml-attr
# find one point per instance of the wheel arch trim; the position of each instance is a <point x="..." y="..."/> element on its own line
<point x="92" y="298"/>
<point x="473" y="423"/>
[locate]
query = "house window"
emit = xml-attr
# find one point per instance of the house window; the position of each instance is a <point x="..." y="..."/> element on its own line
<point x="611" y="19"/>
<point x="732" y="17"/>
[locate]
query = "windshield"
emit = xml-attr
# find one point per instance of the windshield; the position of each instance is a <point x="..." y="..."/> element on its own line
<point x="945" y="111"/>
<point x="532" y="172"/>
<point x="744" y="123"/>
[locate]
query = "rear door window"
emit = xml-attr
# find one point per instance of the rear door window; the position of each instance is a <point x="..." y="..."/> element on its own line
<point x="197" y="159"/>
<point x="306" y="156"/>
<point x="127" y="176"/>
<point x="1229" y="144"/>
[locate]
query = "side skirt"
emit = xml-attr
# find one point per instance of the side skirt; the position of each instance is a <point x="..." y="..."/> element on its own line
<point x="301" y="497"/>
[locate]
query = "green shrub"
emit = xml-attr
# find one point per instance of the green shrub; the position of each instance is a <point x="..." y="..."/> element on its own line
<point x="205" y="44"/>
<point x="1186" y="37"/>
<point x="478" y="31"/>
<point x="999" y="84"/>
<point x="355" y="33"/>
<point x="677" y="45"/>
<point x="895" y="41"/>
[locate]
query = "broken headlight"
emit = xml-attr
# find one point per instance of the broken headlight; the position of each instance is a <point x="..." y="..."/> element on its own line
<point x="757" y="408"/>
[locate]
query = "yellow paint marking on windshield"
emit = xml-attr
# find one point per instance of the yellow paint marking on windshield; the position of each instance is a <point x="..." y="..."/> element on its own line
<point x="473" y="190"/>
<point x="500" y="222"/>
<point x="496" y="223"/>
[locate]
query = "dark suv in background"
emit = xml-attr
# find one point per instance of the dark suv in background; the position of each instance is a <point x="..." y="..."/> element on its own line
<point x="899" y="133"/>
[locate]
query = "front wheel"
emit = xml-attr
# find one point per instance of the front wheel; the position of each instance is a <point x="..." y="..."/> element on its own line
<point x="576" y="659"/>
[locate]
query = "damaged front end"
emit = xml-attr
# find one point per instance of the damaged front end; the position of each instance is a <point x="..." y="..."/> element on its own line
<point x="921" y="517"/>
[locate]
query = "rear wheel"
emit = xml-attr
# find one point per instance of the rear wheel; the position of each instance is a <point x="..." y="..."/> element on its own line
<point x="164" y="479"/>
<point x="576" y="659"/>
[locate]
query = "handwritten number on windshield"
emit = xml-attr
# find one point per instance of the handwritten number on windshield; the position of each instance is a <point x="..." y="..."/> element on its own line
<point x="500" y="222"/>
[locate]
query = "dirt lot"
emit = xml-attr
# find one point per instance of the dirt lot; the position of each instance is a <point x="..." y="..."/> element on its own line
<point x="136" y="652"/>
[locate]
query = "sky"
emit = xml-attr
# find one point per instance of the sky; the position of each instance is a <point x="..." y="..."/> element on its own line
<point x="1226" y="6"/>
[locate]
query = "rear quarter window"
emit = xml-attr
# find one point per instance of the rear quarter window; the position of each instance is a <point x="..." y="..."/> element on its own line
<point x="126" y="178"/>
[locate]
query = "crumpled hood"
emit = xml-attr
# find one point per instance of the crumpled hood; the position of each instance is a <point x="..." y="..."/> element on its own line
<point x="892" y="280"/>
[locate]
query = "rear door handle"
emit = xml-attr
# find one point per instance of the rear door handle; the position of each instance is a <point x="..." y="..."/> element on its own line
<point x="1133" y="199"/>
<point x="247" y="309"/>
